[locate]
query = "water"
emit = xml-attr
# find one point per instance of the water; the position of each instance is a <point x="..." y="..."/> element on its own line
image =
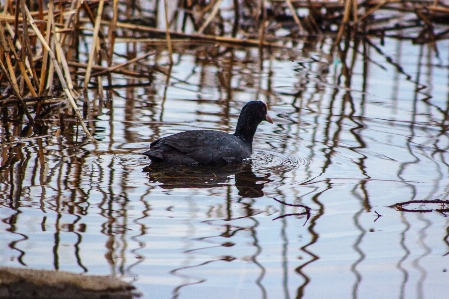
<point x="352" y="136"/>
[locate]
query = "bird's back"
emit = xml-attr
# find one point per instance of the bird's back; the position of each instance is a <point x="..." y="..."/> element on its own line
<point x="199" y="147"/>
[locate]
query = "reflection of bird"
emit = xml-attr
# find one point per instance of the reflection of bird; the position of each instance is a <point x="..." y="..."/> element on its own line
<point x="211" y="147"/>
<point x="247" y="182"/>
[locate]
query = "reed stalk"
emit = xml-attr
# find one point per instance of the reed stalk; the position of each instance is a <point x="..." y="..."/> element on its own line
<point x="167" y="33"/>
<point x="211" y="16"/>
<point x="58" y="71"/>
<point x="94" y="43"/>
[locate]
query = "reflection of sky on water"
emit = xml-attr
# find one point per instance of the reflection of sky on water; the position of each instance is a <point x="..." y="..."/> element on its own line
<point x="345" y="153"/>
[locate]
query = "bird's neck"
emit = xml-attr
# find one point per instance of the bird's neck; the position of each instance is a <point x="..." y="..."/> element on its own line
<point x="245" y="130"/>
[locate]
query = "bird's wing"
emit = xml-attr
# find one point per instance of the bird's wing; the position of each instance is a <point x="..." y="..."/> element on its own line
<point x="203" y="146"/>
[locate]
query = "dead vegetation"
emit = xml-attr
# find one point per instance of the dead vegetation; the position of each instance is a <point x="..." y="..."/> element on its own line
<point x="44" y="69"/>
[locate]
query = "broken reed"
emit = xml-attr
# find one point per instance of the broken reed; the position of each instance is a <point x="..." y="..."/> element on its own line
<point x="39" y="54"/>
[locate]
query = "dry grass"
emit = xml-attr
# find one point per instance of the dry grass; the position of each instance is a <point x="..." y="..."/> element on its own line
<point x="40" y="60"/>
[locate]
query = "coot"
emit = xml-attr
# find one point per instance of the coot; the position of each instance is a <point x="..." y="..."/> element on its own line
<point x="211" y="147"/>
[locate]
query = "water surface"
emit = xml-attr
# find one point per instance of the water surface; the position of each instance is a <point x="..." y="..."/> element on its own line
<point x="355" y="132"/>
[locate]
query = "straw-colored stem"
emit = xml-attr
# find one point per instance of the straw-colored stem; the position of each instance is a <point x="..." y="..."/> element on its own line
<point x="262" y="33"/>
<point x="111" y="32"/>
<point x="116" y="67"/>
<point x="423" y="17"/>
<point x="164" y="98"/>
<point x="75" y="5"/>
<point x="203" y="37"/>
<point x="58" y="71"/>
<point x="11" y="75"/>
<point x="373" y="9"/>
<point x="167" y="33"/>
<point x="355" y="9"/>
<point x="12" y="80"/>
<point x="94" y="42"/>
<point x="22" y="69"/>
<point x="106" y="70"/>
<point x="27" y="44"/>
<point x="18" y="44"/>
<point x="100" y="87"/>
<point x="211" y="17"/>
<point x="91" y="16"/>
<point x="41" y="14"/>
<point x="63" y="60"/>
<point x="295" y="16"/>
<point x="51" y="69"/>
<point x="50" y="22"/>
<point x="345" y="20"/>
<point x="16" y="19"/>
<point x="440" y="9"/>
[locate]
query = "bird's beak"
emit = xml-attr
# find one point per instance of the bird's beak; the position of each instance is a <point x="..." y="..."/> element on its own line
<point x="268" y="119"/>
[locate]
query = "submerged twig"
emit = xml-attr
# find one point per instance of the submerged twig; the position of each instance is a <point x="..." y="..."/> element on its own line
<point x="378" y="216"/>
<point x="306" y="212"/>
<point x="400" y="206"/>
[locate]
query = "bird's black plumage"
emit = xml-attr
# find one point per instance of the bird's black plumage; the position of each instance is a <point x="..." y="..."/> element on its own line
<point x="209" y="146"/>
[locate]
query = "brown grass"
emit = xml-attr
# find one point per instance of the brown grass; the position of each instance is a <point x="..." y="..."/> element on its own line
<point x="39" y="54"/>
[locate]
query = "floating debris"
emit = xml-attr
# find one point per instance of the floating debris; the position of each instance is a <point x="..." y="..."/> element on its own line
<point x="423" y="206"/>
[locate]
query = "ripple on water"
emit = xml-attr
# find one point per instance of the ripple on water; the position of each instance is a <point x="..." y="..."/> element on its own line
<point x="261" y="160"/>
<point x="264" y="160"/>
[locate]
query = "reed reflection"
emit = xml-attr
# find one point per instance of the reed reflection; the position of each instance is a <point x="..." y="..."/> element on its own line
<point x="348" y="131"/>
<point x="334" y="122"/>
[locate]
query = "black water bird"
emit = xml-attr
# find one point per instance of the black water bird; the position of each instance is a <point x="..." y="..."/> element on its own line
<point x="209" y="146"/>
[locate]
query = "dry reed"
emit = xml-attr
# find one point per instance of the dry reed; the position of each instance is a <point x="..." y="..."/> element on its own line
<point x="35" y="44"/>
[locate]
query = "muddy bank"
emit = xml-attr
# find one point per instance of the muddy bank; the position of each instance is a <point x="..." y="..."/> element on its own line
<point x="30" y="283"/>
